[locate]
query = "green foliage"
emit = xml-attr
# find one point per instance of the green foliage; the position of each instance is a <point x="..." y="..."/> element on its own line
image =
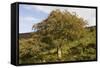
<point x="61" y="37"/>
<point x="61" y="25"/>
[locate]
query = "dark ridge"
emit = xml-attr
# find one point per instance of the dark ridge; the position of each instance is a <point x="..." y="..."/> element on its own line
<point x="25" y="35"/>
<point x="91" y="27"/>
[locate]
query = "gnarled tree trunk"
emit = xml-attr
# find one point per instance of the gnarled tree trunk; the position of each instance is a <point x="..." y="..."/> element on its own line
<point x="59" y="52"/>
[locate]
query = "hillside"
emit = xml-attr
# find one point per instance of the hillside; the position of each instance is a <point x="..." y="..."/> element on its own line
<point x="43" y="53"/>
<point x="25" y="35"/>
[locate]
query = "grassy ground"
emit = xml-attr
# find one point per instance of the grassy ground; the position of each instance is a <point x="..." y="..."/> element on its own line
<point x="82" y="49"/>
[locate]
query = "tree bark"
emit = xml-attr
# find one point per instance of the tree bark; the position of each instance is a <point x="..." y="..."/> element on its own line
<point x="59" y="53"/>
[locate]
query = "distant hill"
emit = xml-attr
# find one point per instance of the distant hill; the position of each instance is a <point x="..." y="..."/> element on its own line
<point x="91" y="27"/>
<point x="25" y="35"/>
<point x="29" y="35"/>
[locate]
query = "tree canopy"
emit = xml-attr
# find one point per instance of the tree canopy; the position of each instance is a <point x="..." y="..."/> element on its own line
<point x="62" y="25"/>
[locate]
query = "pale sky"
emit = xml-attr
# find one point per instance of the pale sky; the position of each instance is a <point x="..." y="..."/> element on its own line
<point x="32" y="14"/>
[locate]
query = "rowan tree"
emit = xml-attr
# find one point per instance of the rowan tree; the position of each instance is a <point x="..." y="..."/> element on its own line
<point x="60" y="26"/>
